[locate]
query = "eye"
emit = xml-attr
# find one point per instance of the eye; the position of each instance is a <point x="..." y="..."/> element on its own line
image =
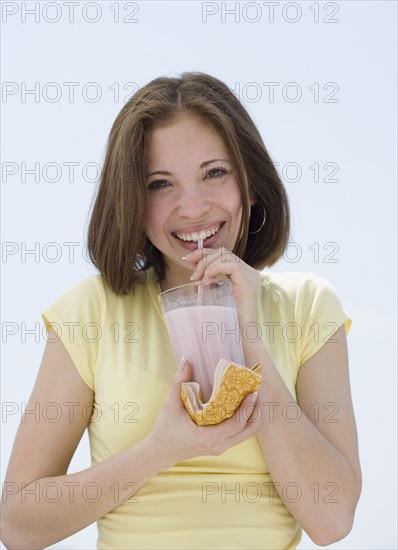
<point x="157" y="184"/>
<point x="217" y="173"/>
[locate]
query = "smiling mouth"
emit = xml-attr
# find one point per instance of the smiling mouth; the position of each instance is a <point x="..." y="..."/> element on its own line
<point x="200" y="235"/>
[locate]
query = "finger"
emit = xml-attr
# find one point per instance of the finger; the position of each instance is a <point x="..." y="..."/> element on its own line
<point x="224" y="267"/>
<point x="247" y="417"/>
<point x="224" y="263"/>
<point x="250" y="430"/>
<point x="247" y="406"/>
<point x="239" y="419"/>
<point x="183" y="372"/>
<point x="240" y="427"/>
<point x="256" y="413"/>
<point x="205" y="255"/>
<point x="195" y="256"/>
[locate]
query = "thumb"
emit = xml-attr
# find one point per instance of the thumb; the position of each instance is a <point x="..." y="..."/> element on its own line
<point x="183" y="373"/>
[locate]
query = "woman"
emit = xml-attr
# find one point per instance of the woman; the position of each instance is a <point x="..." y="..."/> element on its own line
<point x="185" y="162"/>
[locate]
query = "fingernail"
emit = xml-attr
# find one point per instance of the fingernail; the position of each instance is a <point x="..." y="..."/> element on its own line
<point x="182" y="363"/>
<point x="186" y="257"/>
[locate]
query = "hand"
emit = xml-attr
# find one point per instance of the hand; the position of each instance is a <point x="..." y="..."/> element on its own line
<point x="211" y="262"/>
<point x="179" y="438"/>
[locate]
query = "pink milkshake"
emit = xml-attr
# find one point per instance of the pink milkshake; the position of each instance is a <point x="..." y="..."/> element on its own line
<point x="204" y="334"/>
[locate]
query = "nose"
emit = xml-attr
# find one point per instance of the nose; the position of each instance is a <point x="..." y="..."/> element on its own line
<point x="192" y="204"/>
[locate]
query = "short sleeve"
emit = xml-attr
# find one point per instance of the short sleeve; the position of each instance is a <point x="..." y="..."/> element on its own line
<point x="322" y="315"/>
<point x="76" y="318"/>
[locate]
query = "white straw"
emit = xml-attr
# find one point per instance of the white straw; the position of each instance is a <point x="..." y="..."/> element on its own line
<point x="200" y="289"/>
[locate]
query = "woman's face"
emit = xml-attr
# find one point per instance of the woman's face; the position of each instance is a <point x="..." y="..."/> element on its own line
<point x="192" y="193"/>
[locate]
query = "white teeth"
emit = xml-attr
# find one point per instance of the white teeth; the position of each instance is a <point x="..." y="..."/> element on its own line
<point x="201" y="236"/>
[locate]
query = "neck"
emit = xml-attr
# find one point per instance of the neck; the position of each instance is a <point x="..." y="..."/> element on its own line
<point x="175" y="278"/>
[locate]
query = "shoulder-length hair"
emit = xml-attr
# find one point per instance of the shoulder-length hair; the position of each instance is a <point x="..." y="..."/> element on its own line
<point x="117" y="243"/>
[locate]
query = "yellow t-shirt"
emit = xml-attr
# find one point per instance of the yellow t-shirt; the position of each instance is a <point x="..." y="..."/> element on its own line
<point x="122" y="351"/>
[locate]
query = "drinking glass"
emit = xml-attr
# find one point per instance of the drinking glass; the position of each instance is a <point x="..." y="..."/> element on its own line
<point x="202" y="323"/>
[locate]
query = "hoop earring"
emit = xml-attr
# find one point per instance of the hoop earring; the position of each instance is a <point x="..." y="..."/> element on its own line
<point x="262" y="223"/>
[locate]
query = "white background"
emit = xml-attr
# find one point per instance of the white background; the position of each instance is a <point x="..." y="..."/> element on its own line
<point x="350" y="123"/>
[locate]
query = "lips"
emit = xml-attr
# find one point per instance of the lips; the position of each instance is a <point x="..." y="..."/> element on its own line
<point x="196" y="236"/>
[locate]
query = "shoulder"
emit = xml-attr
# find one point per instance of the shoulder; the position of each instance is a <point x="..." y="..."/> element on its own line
<point x="82" y="298"/>
<point x="294" y="285"/>
<point x="305" y="299"/>
<point x="90" y="288"/>
<point x="91" y="284"/>
<point x="303" y="295"/>
<point x="93" y="292"/>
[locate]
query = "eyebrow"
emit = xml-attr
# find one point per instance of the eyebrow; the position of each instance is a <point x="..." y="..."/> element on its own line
<point x="205" y="163"/>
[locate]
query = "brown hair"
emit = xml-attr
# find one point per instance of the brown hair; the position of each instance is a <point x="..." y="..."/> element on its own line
<point x="117" y="243"/>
